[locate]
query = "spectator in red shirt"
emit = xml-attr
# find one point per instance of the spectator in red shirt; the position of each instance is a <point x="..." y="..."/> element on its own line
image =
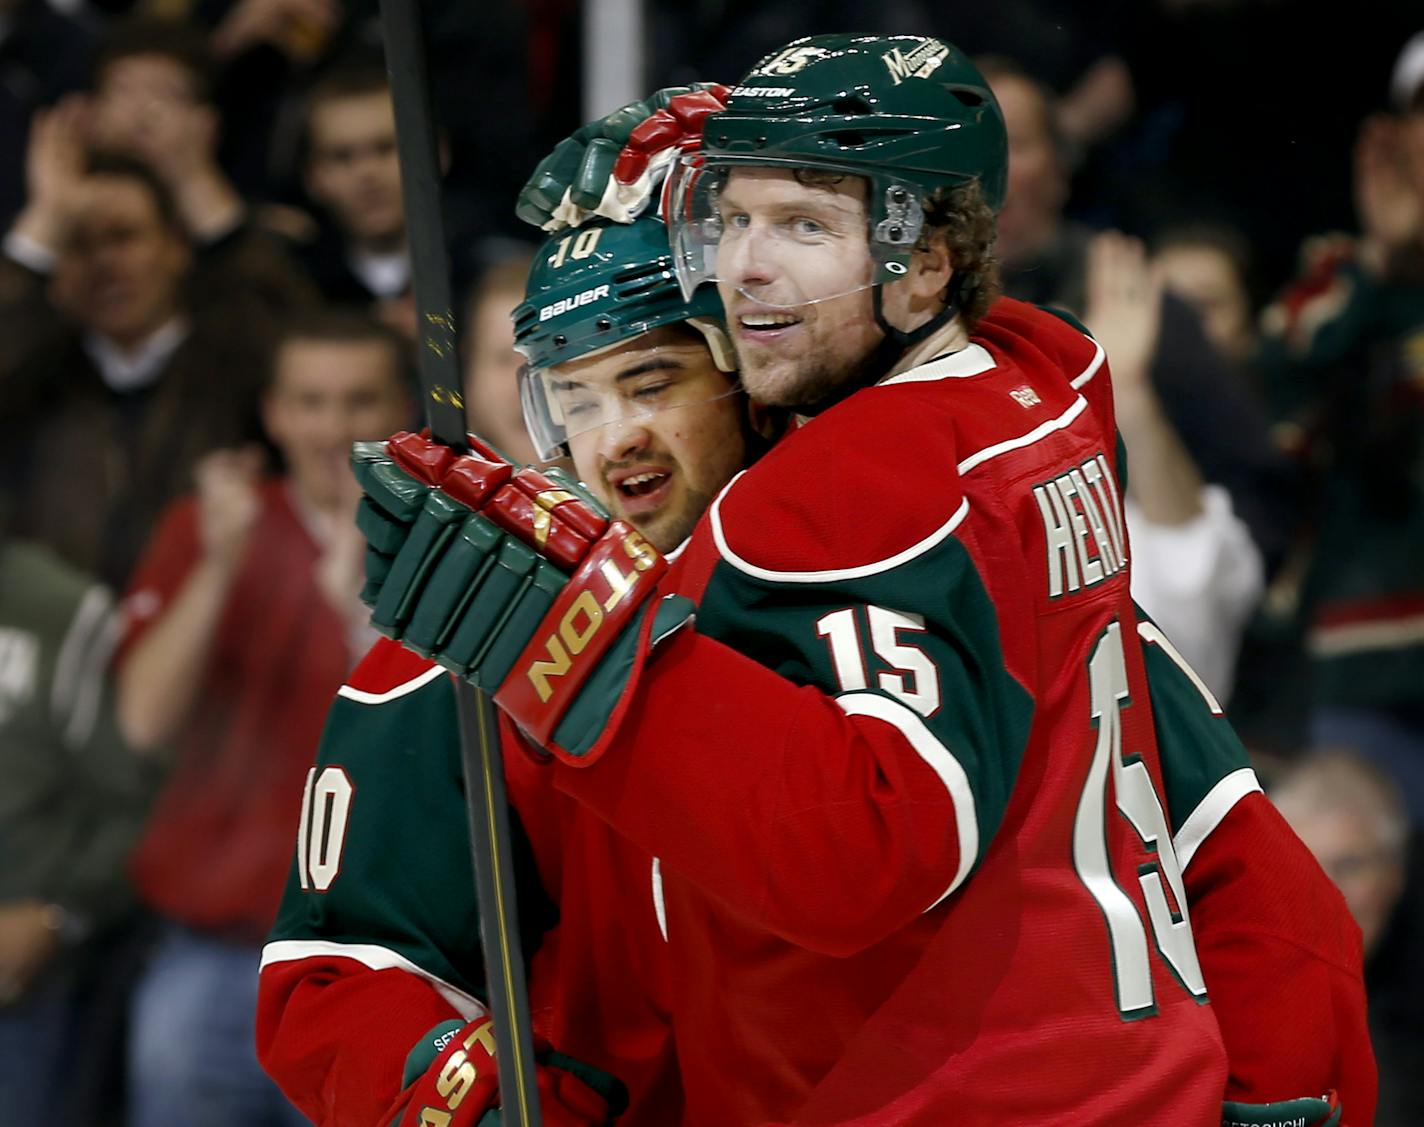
<point x="244" y="619"/>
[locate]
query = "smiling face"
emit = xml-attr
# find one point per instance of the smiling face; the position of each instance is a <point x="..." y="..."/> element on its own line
<point x="325" y="395"/>
<point x="794" y="271"/>
<point x="668" y="435"/>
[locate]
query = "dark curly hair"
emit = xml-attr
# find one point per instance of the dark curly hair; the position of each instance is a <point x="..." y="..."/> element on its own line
<point x="969" y="225"/>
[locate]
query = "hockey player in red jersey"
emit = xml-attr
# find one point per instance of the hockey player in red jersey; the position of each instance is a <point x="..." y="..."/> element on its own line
<point x="381" y="919"/>
<point x="901" y="772"/>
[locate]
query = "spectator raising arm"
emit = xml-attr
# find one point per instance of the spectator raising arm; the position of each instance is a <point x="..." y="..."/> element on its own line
<point x="161" y="675"/>
<point x="1199" y="572"/>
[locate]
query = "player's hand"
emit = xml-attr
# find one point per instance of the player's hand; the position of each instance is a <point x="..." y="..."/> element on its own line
<point x="613" y="166"/>
<point x="1322" y="1111"/>
<point x="516" y="581"/>
<point x="450" y="1078"/>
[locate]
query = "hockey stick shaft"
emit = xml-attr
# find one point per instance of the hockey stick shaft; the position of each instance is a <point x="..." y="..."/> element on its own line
<point x="486" y="801"/>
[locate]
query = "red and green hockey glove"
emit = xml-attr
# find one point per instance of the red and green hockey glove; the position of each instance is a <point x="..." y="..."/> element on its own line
<point x="613" y="166"/>
<point x="516" y="581"/>
<point x="1306" y="1112"/>
<point x="450" y="1081"/>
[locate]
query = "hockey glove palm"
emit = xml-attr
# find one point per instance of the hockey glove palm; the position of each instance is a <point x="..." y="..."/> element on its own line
<point x="613" y="166"/>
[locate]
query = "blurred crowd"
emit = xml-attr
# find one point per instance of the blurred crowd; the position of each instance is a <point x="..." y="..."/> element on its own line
<point x="205" y="298"/>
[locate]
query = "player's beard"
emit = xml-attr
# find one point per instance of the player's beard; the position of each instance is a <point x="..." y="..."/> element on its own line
<point x="669" y="527"/>
<point x="820" y="378"/>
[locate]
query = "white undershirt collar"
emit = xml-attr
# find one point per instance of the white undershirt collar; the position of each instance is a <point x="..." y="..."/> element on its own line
<point x="384" y="274"/>
<point x="131" y="369"/>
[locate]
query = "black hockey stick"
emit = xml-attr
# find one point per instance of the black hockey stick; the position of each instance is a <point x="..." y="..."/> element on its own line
<point x="444" y="408"/>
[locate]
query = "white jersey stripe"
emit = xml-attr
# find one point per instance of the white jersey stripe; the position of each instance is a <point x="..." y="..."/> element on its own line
<point x="1211" y="810"/>
<point x="659" y="907"/>
<point x="1040" y="432"/>
<point x="362" y="697"/>
<point x="1152" y="634"/>
<point x="374" y="957"/>
<point x="971" y="360"/>
<point x="834" y="575"/>
<point x="940" y="759"/>
<point x="1092" y="369"/>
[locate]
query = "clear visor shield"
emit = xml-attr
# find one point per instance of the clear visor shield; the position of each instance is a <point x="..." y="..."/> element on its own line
<point x="620" y="388"/>
<point x="730" y="232"/>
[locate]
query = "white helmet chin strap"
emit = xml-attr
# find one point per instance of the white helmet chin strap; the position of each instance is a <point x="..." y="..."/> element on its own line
<point x="719" y="344"/>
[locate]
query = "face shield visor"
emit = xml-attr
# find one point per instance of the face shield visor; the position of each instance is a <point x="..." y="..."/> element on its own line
<point x="717" y="226"/>
<point x="622" y="385"/>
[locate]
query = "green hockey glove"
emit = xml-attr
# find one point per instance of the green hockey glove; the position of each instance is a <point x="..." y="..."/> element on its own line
<point x="1306" y="1112"/>
<point x="516" y="581"/>
<point x="613" y="166"/>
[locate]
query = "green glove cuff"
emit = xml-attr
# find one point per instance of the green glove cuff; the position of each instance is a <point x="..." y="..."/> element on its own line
<point x="590" y="715"/>
<point x="430" y="1046"/>
<point x="1308" y="1112"/>
<point x="613" y="1090"/>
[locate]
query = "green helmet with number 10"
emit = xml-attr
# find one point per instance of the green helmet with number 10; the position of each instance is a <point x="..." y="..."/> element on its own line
<point x="590" y="289"/>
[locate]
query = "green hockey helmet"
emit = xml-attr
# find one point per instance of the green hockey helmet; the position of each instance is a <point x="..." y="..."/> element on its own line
<point x="590" y="289"/>
<point x="908" y="113"/>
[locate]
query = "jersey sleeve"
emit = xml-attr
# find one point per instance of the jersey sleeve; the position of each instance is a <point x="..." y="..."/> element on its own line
<point x="831" y="750"/>
<point x="1258" y="900"/>
<point x="376" y="938"/>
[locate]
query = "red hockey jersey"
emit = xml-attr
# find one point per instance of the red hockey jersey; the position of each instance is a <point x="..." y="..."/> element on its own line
<point x="903" y="780"/>
<point x="762" y="1020"/>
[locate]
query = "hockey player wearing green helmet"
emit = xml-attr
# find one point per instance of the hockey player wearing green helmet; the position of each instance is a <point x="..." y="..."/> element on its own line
<point x="922" y="858"/>
<point x="757" y="205"/>
<point x="631" y="380"/>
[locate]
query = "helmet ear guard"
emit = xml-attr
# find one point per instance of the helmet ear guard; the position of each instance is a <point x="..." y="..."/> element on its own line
<point x="719" y="343"/>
